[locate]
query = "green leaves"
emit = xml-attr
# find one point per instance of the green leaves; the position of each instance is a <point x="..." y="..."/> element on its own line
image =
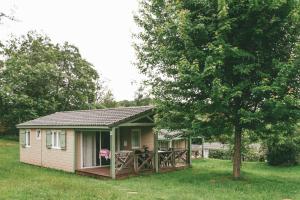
<point x="232" y="63"/>
<point x="39" y="78"/>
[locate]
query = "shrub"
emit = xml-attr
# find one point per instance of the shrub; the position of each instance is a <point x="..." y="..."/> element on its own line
<point x="223" y="154"/>
<point x="253" y="155"/>
<point x="283" y="154"/>
<point x="248" y="154"/>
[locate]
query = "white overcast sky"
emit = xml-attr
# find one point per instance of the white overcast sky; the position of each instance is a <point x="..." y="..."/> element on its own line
<point x="101" y="29"/>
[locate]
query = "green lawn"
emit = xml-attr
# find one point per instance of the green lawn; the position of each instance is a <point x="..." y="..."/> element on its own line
<point x="208" y="179"/>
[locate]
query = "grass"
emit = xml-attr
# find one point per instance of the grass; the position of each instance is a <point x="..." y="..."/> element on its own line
<point x="207" y="179"/>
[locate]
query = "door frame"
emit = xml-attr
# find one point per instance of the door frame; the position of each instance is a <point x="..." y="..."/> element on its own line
<point x="81" y="144"/>
<point x="81" y="157"/>
<point x="100" y="133"/>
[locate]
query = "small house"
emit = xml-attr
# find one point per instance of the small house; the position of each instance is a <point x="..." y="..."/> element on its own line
<point x="112" y="143"/>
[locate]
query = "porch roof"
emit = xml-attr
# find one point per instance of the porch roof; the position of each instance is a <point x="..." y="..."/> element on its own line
<point x="90" y="118"/>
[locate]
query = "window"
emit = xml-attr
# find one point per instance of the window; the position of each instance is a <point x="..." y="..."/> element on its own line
<point x="38" y="134"/>
<point x="136" y="138"/>
<point x="27" y="138"/>
<point x="55" y="139"/>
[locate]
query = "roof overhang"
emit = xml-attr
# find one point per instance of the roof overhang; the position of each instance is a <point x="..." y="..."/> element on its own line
<point x="129" y="122"/>
<point x="64" y="127"/>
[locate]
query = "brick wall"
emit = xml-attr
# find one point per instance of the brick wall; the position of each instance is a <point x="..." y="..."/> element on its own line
<point x="147" y="137"/>
<point x="32" y="154"/>
<point x="39" y="154"/>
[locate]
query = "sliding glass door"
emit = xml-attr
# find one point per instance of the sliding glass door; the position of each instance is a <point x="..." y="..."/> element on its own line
<point x="95" y="149"/>
<point x="89" y="149"/>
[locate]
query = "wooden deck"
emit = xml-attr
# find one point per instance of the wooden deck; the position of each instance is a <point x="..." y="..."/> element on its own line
<point x="96" y="172"/>
<point x="104" y="172"/>
<point x="101" y="173"/>
<point x="132" y="164"/>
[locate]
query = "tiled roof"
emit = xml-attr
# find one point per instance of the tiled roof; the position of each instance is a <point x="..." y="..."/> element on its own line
<point x="99" y="117"/>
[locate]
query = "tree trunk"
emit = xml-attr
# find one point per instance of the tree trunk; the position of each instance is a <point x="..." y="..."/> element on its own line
<point x="237" y="153"/>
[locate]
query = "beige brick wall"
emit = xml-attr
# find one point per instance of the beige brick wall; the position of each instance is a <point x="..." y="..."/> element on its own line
<point x="147" y="137"/>
<point x="32" y="154"/>
<point x="57" y="158"/>
<point x="39" y="154"/>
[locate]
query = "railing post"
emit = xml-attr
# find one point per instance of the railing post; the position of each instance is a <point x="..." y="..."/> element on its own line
<point x="173" y="158"/>
<point x="202" y="152"/>
<point x="156" y="165"/>
<point x="135" y="163"/>
<point x="113" y="153"/>
<point x="190" y="151"/>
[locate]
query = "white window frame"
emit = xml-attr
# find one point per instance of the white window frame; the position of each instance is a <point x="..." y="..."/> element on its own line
<point x="140" y="138"/>
<point x="27" y="138"/>
<point x="57" y="132"/>
<point x="38" y="133"/>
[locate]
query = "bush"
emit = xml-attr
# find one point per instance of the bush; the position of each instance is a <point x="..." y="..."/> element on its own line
<point x="223" y="154"/>
<point x="248" y="154"/>
<point x="253" y="156"/>
<point x="255" y="152"/>
<point x="283" y="154"/>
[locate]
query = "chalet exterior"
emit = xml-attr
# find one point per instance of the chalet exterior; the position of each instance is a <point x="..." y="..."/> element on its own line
<point x="102" y="143"/>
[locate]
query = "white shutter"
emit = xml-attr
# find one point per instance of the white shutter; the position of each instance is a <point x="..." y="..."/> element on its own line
<point x="22" y="138"/>
<point x="48" y="139"/>
<point x="62" y="139"/>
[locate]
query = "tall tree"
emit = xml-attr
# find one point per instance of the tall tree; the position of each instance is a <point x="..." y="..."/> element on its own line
<point x="38" y="77"/>
<point x="222" y="66"/>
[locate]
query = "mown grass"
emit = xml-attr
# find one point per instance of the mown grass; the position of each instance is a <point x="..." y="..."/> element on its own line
<point x="207" y="179"/>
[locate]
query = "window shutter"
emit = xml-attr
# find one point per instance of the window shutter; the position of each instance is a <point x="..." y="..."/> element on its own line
<point x="62" y="139"/>
<point x="48" y="139"/>
<point x="22" y="138"/>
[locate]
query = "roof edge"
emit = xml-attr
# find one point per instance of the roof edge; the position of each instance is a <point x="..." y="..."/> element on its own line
<point x="62" y="126"/>
<point x="107" y="126"/>
<point x="146" y="112"/>
<point x="115" y="108"/>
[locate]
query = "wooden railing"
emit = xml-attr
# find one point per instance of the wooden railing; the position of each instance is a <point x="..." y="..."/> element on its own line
<point x="143" y="161"/>
<point x="196" y="154"/>
<point x="130" y="162"/>
<point x="173" y="158"/>
<point x="124" y="162"/>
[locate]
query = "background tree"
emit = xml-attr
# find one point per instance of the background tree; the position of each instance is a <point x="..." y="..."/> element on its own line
<point x="38" y="77"/>
<point x="141" y="98"/>
<point x="222" y="66"/>
<point x="106" y="99"/>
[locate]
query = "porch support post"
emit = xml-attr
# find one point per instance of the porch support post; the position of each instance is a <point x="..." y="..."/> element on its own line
<point x="156" y="165"/>
<point x="113" y="153"/>
<point x="75" y="151"/>
<point x="190" y="150"/>
<point x="203" y="141"/>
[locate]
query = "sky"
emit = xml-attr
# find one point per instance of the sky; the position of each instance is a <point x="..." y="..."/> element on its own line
<point x="101" y="29"/>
